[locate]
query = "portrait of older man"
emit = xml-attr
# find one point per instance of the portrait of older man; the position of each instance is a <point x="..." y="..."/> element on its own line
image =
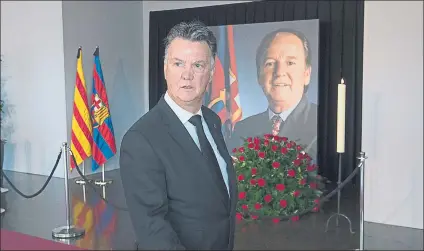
<point x="283" y="62"/>
<point x="178" y="177"/>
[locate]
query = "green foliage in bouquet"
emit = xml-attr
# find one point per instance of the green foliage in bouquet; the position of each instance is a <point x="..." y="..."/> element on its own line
<point x="275" y="179"/>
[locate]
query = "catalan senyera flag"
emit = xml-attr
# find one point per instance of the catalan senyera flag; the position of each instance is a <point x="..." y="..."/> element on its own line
<point x="81" y="132"/>
<point x="223" y="95"/>
<point x="104" y="146"/>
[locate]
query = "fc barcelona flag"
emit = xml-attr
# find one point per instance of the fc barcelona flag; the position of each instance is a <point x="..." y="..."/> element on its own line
<point x="104" y="146"/>
<point x="223" y="96"/>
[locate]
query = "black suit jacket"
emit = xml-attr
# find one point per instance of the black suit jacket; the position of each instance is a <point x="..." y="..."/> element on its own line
<point x="173" y="199"/>
<point x="300" y="126"/>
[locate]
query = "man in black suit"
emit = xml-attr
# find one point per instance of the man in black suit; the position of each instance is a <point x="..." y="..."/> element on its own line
<point x="177" y="175"/>
<point x="283" y="61"/>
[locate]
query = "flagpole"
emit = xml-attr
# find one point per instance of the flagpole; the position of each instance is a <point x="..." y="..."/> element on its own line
<point x="82" y="181"/>
<point x="83" y="186"/>
<point x="103" y="179"/>
<point x="103" y="182"/>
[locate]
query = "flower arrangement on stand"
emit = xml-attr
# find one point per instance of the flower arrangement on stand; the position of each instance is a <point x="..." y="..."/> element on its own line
<point x="276" y="179"/>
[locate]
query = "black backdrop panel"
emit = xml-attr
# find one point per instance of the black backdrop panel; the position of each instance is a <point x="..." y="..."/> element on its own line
<point x="341" y="43"/>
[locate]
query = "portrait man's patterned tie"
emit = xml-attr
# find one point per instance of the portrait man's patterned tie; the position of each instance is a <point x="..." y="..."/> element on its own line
<point x="276" y="123"/>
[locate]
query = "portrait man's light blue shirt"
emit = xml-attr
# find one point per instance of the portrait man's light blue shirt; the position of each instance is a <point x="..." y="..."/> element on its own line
<point x="184" y="117"/>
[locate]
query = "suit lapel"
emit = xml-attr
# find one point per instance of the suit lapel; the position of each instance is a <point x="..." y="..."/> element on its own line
<point x="215" y="130"/>
<point x="180" y="135"/>
<point x="294" y="117"/>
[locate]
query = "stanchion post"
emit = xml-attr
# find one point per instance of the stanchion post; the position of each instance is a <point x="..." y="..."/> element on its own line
<point x="68" y="231"/>
<point x="362" y="159"/>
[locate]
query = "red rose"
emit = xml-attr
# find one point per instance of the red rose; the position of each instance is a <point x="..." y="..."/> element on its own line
<point x="254" y="171"/>
<point x="244" y="207"/>
<point x="283" y="203"/>
<point x="276" y="220"/>
<point x="300" y="156"/>
<point x="242" y="195"/>
<point x="276" y="164"/>
<point x="256" y="140"/>
<point x="280" y="187"/>
<point x="241" y="149"/>
<point x="241" y="177"/>
<point x="284" y="139"/>
<point x="274" y="148"/>
<point x="292" y="143"/>
<point x="252" y="182"/>
<point x="266" y="142"/>
<point x="268" y="198"/>
<point x="299" y="148"/>
<point x="239" y="216"/>
<point x="234" y="150"/>
<point x="267" y="136"/>
<point x="302" y="182"/>
<point x="261" y="155"/>
<point x="297" y="162"/>
<point x="251" y="145"/>
<point x="311" y="168"/>
<point x="276" y="138"/>
<point x="316" y="201"/>
<point x="313" y="185"/>
<point x="288" y="145"/>
<point x="258" y="206"/>
<point x="241" y="158"/>
<point x="249" y="139"/>
<point x="257" y="147"/>
<point x="291" y="173"/>
<point x="261" y="182"/>
<point x="284" y="150"/>
<point x="295" y="218"/>
<point x="296" y="193"/>
<point x="254" y="217"/>
<point x="315" y="209"/>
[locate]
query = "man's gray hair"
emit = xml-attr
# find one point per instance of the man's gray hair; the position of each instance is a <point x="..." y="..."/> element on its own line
<point x="194" y="31"/>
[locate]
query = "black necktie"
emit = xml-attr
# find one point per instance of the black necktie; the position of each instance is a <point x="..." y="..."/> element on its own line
<point x="206" y="148"/>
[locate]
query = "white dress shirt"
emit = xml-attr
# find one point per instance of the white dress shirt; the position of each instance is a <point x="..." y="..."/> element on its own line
<point x="184" y="117"/>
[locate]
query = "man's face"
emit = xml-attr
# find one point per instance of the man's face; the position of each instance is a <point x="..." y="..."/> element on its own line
<point x="187" y="71"/>
<point x="284" y="74"/>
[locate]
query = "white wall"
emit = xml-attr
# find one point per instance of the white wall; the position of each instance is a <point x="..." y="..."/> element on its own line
<point x="116" y="27"/>
<point x="393" y="112"/>
<point x="33" y="70"/>
<point x="165" y="5"/>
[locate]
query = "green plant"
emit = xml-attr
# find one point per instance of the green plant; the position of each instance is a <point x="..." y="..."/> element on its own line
<point x="275" y="178"/>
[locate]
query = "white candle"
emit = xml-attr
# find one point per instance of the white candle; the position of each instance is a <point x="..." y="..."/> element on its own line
<point x="341" y="107"/>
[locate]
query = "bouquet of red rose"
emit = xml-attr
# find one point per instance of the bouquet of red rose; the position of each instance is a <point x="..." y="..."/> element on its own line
<point x="275" y="179"/>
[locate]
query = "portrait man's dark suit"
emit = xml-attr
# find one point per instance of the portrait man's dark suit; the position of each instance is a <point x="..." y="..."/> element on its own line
<point x="300" y="126"/>
<point x="175" y="200"/>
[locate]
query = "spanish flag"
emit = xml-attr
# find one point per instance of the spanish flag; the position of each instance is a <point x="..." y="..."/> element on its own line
<point x="81" y="135"/>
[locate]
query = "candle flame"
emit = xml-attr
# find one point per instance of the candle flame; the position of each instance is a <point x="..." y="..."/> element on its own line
<point x="342" y="82"/>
